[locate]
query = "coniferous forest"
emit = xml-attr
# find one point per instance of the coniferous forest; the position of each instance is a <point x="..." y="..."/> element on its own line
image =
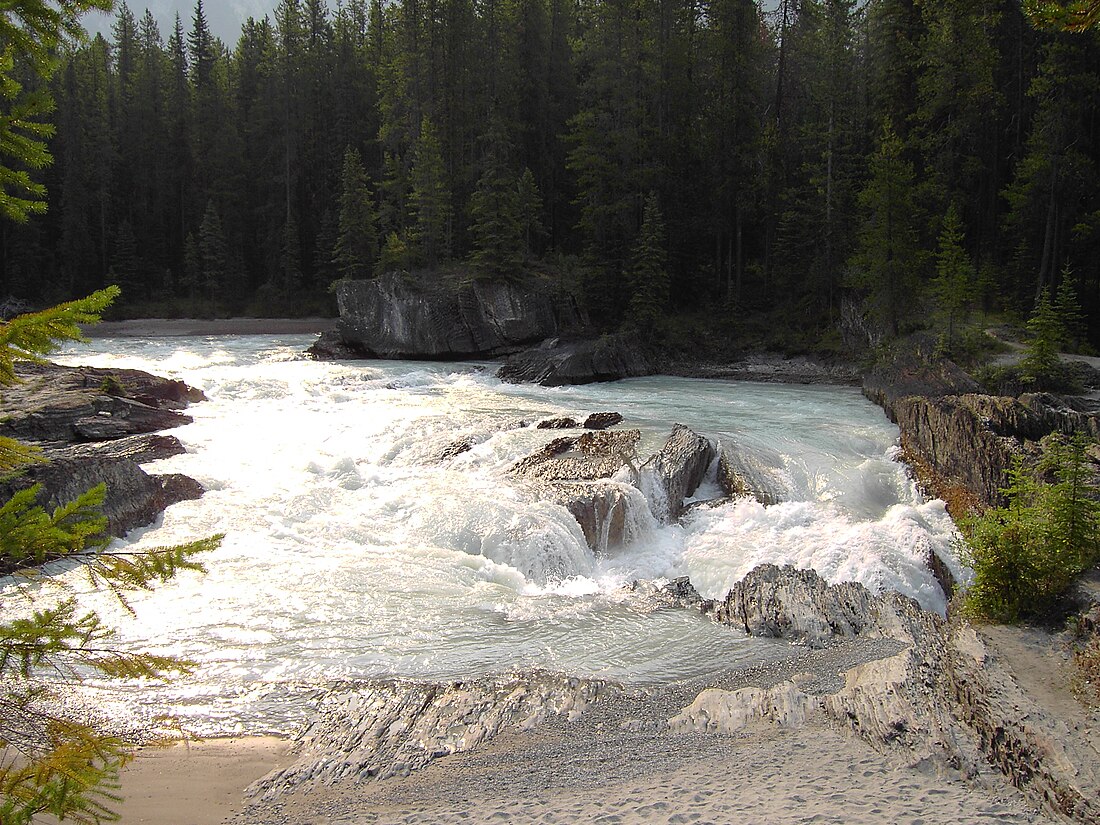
<point x="712" y="159"/>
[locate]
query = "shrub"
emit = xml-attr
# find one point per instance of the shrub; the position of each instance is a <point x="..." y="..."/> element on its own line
<point x="1027" y="553"/>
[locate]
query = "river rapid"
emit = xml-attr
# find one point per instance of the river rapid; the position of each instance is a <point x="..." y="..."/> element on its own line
<point x="352" y="551"/>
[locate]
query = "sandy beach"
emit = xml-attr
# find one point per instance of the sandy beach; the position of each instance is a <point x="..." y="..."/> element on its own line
<point x="195" y="783"/>
<point x="765" y="775"/>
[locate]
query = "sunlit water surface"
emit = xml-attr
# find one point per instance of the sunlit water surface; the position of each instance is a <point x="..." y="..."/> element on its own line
<point x="352" y="551"/>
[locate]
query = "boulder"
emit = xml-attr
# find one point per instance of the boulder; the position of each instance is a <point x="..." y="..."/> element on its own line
<point x="743" y="473"/>
<point x="557" y="362"/>
<point x="601" y="508"/>
<point x="329" y="346"/>
<point x="96" y="426"/>
<point x="587" y="457"/>
<point x="602" y="420"/>
<point x="676" y="471"/>
<point x="134" y="498"/>
<point x="445" y="318"/>
<point x="564" y="423"/>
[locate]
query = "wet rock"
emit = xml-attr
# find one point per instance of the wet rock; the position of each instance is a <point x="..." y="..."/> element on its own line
<point x="71" y="404"/>
<point x="96" y="426"/>
<point x="456" y="448"/>
<point x="556" y="363"/>
<point x="329" y="346"/>
<point x="785" y="603"/>
<point x="134" y="498"/>
<point x="587" y="457"/>
<point x="602" y="420"/>
<point x="557" y="424"/>
<point x="401" y="316"/>
<point x="742" y="473"/>
<point x="601" y="508"/>
<point x="137" y="448"/>
<point x="676" y="471"/>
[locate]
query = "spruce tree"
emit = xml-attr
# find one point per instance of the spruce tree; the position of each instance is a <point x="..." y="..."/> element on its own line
<point x="954" y="284"/>
<point x="356" y="247"/>
<point x="498" y="234"/>
<point x="647" y="274"/>
<point x="217" y="283"/>
<point x="888" y="260"/>
<point x="529" y="213"/>
<point x="430" y="198"/>
<point x="1041" y="365"/>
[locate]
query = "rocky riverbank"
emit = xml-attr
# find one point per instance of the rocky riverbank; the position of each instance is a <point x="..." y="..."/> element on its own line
<point x="928" y="698"/>
<point x="99" y="426"/>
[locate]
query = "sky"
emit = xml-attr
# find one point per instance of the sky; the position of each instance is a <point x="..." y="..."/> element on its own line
<point x="224" y="16"/>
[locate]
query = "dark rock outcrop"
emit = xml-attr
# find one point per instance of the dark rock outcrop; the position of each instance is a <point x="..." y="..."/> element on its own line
<point x="72" y="404"/>
<point x="587" y="457"/>
<point x="556" y="363"/>
<point x="602" y="420"/>
<point x="400" y="316"/>
<point x="564" y="423"/>
<point x="96" y="426"/>
<point x="676" y="471"/>
<point x="134" y="498"/>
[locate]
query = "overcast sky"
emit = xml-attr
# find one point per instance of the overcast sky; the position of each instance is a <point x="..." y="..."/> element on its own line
<point x="224" y="16"/>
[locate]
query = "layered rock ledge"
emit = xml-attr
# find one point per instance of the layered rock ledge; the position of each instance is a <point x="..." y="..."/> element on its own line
<point x="98" y="426"/>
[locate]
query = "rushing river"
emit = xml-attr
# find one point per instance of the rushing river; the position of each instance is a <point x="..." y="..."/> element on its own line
<point x="352" y="551"/>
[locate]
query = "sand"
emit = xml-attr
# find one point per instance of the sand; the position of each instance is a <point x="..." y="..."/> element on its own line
<point x="199" y="783"/>
<point x="767" y="775"/>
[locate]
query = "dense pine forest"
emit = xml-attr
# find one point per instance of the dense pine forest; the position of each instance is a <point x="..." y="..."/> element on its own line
<point x="728" y="163"/>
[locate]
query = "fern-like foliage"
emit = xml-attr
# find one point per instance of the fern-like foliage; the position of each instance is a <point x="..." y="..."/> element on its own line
<point x="52" y="759"/>
<point x="31" y="336"/>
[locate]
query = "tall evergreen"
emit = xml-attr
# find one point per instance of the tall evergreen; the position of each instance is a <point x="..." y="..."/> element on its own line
<point x="356" y="249"/>
<point x="430" y="199"/>
<point x="647" y="276"/>
<point x="887" y="264"/>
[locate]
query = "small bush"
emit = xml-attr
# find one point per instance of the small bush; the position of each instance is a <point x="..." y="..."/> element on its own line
<point x="1027" y="553"/>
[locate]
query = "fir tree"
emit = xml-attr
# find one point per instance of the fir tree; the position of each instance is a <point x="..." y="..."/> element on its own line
<point x="1041" y="365"/>
<point x="529" y="213"/>
<point x="53" y="762"/>
<point x="356" y="247"/>
<point x="217" y="282"/>
<point x="1068" y="310"/>
<point x="498" y="234"/>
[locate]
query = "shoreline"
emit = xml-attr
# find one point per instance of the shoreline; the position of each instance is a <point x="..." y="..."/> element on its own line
<point x="199" y="327"/>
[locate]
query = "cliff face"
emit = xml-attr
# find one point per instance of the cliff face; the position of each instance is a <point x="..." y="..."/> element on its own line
<point x="398" y="316"/>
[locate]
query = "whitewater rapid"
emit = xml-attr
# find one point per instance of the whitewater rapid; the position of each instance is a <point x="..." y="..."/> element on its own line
<point x="352" y="551"/>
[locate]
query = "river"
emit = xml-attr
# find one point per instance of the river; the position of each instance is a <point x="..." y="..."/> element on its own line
<point x="352" y="551"/>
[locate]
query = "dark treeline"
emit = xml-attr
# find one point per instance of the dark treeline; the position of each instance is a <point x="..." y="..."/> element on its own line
<point x="701" y="154"/>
